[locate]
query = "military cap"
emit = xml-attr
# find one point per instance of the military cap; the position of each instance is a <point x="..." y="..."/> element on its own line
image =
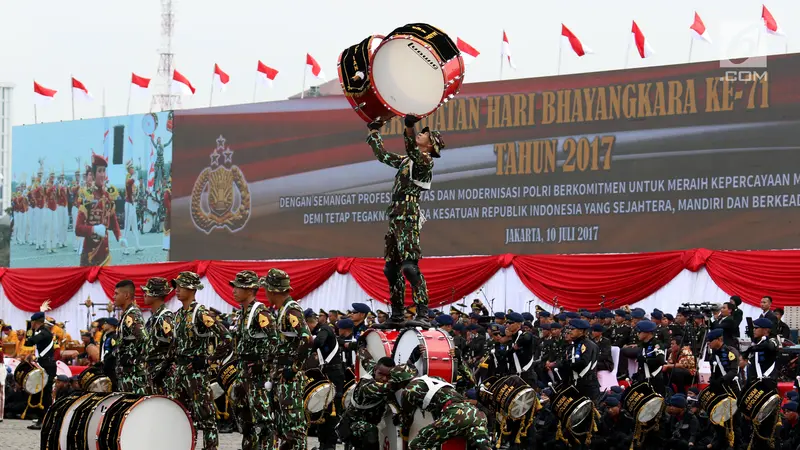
<point x="361" y="308"/>
<point x="476" y="304"/>
<point x="37" y="316"/>
<point x="62" y="378"/>
<point x="381" y="312"/>
<point x="246" y="279"/>
<point x="336" y="311"/>
<point x="637" y="314"/>
<point x="605" y="310"/>
<point x="514" y="317"/>
<point x="572" y="315"/>
<point x="646" y="326"/>
<point x="657" y="315"/>
<point x="528" y="316"/>
<point x="790" y="406"/>
<point x="544" y="314"/>
<point x="322" y="312"/>
<point x="500" y="315"/>
<point x="458" y="327"/>
<point x="276" y="280"/>
<point x="473" y="327"/>
<point x="656" y="310"/>
<point x="555" y="326"/>
<point x="371" y="314"/>
<point x="527" y="323"/>
<point x="444" y="319"/>
<point x="157" y="287"/>
<point x="598" y="328"/>
<point x="309" y="313"/>
<point x="345" y="324"/>
<point x="436" y="140"/>
<point x="762" y="323"/>
<point x="669" y="317"/>
<point x="579" y="324"/>
<point x="475" y="316"/>
<point x="714" y="334"/>
<point x="677" y="400"/>
<point x="501" y="330"/>
<point x="432" y="314"/>
<point x="112" y="321"/>
<point x="188" y="280"/>
<point x="454" y="310"/>
<point x="612" y="401"/>
<point x="545" y="326"/>
<point x="561" y="317"/>
<point x="402" y="372"/>
<point x="616" y="389"/>
<point x="639" y="309"/>
<point x="620" y="312"/>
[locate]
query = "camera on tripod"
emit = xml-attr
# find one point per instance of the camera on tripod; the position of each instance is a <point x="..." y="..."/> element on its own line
<point x="707" y="309"/>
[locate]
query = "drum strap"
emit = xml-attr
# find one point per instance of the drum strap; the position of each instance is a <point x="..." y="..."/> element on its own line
<point x="647" y="373"/>
<point x="585" y="370"/>
<point x="127" y="336"/>
<point x="434" y="386"/>
<point x="421" y="184"/>
<point x="160" y="338"/>
<point x="759" y="372"/>
<point x="45" y="351"/>
<point x="360" y="406"/>
<point x="250" y="321"/>
<point x="519" y="368"/>
<point x="323" y="361"/>
<point x="194" y="317"/>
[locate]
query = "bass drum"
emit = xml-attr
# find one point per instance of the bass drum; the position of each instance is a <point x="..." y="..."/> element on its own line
<point x="642" y="402"/>
<point x="436" y="362"/>
<point x="349" y="388"/>
<point x="719" y="402"/>
<point x="422" y="420"/>
<point x="570" y="406"/>
<point x="760" y="400"/>
<point x="94" y="380"/>
<point x="74" y="433"/>
<point x="129" y="424"/>
<point x="30" y="377"/>
<point x="318" y="393"/>
<point x="353" y="68"/>
<point x="379" y="344"/>
<point x="390" y="436"/>
<point x="66" y="420"/>
<point x="51" y="424"/>
<point x="510" y="396"/>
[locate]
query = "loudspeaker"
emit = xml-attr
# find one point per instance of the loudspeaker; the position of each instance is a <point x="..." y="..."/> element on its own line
<point x="119" y="144"/>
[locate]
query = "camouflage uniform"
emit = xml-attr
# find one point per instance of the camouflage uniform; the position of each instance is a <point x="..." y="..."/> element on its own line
<point x="453" y="415"/>
<point x="293" y="349"/>
<point x="160" y="328"/>
<point x="402" y="250"/>
<point x="130" y="354"/>
<point x="195" y="329"/>
<point x="256" y="338"/>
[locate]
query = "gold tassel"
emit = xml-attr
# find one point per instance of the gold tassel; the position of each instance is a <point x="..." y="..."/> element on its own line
<point x="559" y="434"/>
<point x="333" y="409"/>
<point x="502" y="430"/>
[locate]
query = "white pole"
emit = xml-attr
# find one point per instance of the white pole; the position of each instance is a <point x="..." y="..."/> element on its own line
<point x="691" y="44"/>
<point x="560" y="52"/>
<point x="35" y="119"/>
<point x="628" y="52"/>
<point x="303" y="92"/>
<point x="758" y="42"/>
<point x="128" y="109"/>
<point x="211" y="98"/>
<point x="502" y="56"/>
<point x="72" y="91"/>
<point x="255" y="87"/>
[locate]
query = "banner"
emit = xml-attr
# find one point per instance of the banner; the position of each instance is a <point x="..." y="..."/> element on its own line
<point x="55" y="184"/>
<point x="660" y="158"/>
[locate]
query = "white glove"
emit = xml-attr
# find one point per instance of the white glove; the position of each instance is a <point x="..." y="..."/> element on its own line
<point x="123" y="242"/>
<point x="99" y="229"/>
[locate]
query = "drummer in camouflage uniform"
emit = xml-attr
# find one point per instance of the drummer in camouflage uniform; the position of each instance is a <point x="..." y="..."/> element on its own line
<point x="256" y="338"/>
<point x="291" y="352"/>
<point x="133" y="339"/>
<point x="159" y="328"/>
<point x="195" y="331"/>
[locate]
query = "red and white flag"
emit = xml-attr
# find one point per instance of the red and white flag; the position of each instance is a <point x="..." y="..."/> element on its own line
<point x="42" y="94"/>
<point x="221" y="78"/>
<point x="139" y="84"/>
<point x="80" y="91"/>
<point x="698" y="29"/>
<point x="468" y="52"/>
<point x="577" y="46"/>
<point x="642" y="46"/>
<point x="506" y="51"/>
<point x="313" y="66"/>
<point x="770" y="24"/>
<point x="181" y="84"/>
<point x="265" y="74"/>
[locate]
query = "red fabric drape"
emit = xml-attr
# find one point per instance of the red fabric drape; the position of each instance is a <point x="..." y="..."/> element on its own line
<point x="577" y="280"/>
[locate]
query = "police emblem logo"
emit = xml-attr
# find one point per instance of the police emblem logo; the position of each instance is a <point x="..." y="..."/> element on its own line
<point x="220" y="196"/>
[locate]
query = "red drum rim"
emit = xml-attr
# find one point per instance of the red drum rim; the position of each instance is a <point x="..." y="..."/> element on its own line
<point x="350" y="99"/>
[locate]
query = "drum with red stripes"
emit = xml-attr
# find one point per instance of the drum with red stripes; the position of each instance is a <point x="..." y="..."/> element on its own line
<point x="379" y="344"/>
<point x="435" y="360"/>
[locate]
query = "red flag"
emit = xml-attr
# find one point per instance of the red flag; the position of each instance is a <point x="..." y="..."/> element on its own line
<point x="641" y="43"/>
<point x="698" y="29"/>
<point x="316" y="69"/>
<point x="79" y="89"/>
<point x="770" y="23"/>
<point x="42" y="93"/>
<point x="140" y="82"/>
<point x="220" y="78"/>
<point x="181" y="84"/>
<point x="574" y="42"/>
<point x="505" y="50"/>
<point x="468" y="52"/>
<point x="265" y="74"/>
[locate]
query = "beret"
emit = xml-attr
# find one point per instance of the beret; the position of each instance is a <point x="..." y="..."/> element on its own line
<point x="544" y="314"/>
<point x="501" y="330"/>
<point x="677" y="400"/>
<point x="555" y="326"/>
<point x="790" y="406"/>
<point x="669" y="316"/>
<point x="459" y="327"/>
<point x="620" y="312"/>
<point x="545" y="326"/>
<point x="37" y="316"/>
<point x="637" y="314"/>
<point x="345" y="324"/>
<point x="646" y="326"/>
<point x="579" y="324"/>
<point x="612" y="401"/>
<point x="361" y="308"/>
<point x="657" y="315"/>
<point x="473" y="326"/>
<point x="763" y="323"/>
<point x="714" y="334"/>
<point x="475" y="316"/>
<point x="572" y="315"/>
<point x="112" y="321"/>
<point x="309" y="313"/>
<point x="694" y="390"/>
<point x="62" y="378"/>
<point x="616" y="389"/>
<point x="528" y="316"/>
<point x="444" y="319"/>
<point x="514" y="317"/>
<point x="793" y="395"/>
<point x="561" y="317"/>
<point x="500" y="315"/>
<point x="598" y="328"/>
<point x="527" y="323"/>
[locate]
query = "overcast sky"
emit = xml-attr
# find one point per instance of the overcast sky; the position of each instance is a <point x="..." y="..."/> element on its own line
<point x="101" y="42"/>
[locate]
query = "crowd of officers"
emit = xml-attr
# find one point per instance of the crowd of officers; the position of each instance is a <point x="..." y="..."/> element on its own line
<point x="179" y="354"/>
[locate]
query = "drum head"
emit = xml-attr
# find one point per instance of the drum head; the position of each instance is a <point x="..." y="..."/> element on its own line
<point x="348" y="396"/>
<point x="522" y="403"/>
<point x="405" y="345"/>
<point x="34" y="381"/>
<point x="650" y="410"/>
<point x="100" y="384"/>
<point x="97" y="417"/>
<point x="723" y="411"/>
<point x="768" y="408"/>
<point x="377" y="349"/>
<point x="170" y="429"/>
<point x="407" y="76"/>
<point x="319" y="396"/>
<point x="65" y="422"/>
<point x="580" y="412"/>
<point x="389" y="435"/>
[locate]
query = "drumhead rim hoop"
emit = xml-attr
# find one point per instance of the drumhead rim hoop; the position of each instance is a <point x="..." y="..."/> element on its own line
<point x="727" y="409"/>
<point x="35" y="370"/>
<point x="647" y="408"/>
<point x="137" y="403"/>
<point x="308" y="396"/>
<point x="580" y="408"/>
<point x="768" y="408"/>
<point x="519" y="399"/>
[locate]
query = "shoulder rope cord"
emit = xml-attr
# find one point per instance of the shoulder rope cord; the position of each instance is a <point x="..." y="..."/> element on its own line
<point x="282" y="317"/>
<point x="155" y="324"/>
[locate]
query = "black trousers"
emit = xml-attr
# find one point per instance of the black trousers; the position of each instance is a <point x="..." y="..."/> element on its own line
<point x="49" y="367"/>
<point x="327" y="430"/>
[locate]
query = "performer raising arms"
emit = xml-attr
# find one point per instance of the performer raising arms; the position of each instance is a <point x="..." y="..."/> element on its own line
<point x="402" y="251"/>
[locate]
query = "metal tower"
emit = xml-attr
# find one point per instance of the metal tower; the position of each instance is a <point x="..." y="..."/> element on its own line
<point x="163" y="99"/>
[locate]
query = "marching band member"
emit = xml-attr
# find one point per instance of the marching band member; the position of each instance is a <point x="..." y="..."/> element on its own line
<point x="763" y="354"/>
<point x="402" y="250"/>
<point x="108" y="350"/>
<point x="604" y="359"/>
<point x="62" y="217"/>
<point x="359" y="317"/>
<point x="649" y="356"/>
<point x="96" y="218"/>
<point x="580" y="364"/>
<point x="133" y="339"/>
<point x="159" y="328"/>
<point x="522" y="351"/>
<point x="329" y="354"/>
<point x="40" y="337"/>
<point x="349" y="346"/>
<point x="49" y="220"/>
<point x="74" y="194"/>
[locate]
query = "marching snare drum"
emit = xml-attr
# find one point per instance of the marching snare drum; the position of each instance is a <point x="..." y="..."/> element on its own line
<point x="509" y="395"/>
<point x="30" y="377"/>
<point x="94" y="380"/>
<point x="389" y="434"/>
<point x="353" y="68"/>
<point x="416" y="69"/>
<point x="421" y="420"/>
<point x="760" y="400"/>
<point x="570" y="406"/>
<point x="51" y="424"/>
<point x="379" y="344"/>
<point x="319" y="391"/>
<point x="719" y="402"/>
<point x="226" y="375"/>
<point x="436" y="362"/>
<point x="642" y="402"/>
<point x="128" y="424"/>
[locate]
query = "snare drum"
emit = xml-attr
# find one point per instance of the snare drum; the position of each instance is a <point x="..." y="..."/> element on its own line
<point x="319" y="391"/>
<point x="509" y="395"/>
<point x="719" y="402"/>
<point x="436" y="362"/>
<point x="760" y="400"/>
<point x="353" y="68"/>
<point x="416" y="69"/>
<point x="379" y="344"/>
<point x="94" y="380"/>
<point x="389" y="434"/>
<point x="642" y="402"/>
<point x="570" y="406"/>
<point x="421" y="421"/>
<point x="129" y="424"/>
<point x="30" y="377"/>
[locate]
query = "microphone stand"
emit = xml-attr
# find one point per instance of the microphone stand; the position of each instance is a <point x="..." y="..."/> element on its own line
<point x="490" y="302"/>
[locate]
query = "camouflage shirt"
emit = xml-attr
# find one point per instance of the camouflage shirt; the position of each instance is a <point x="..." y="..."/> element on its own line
<point x="196" y="331"/>
<point x="294" y="336"/>
<point x="414" y="397"/>
<point x="160" y="328"/>
<point x="416" y="166"/>
<point x="256" y="334"/>
<point x="369" y="392"/>
<point x="132" y="337"/>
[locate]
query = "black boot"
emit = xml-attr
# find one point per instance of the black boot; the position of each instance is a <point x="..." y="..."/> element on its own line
<point x="395" y="321"/>
<point x="421" y="320"/>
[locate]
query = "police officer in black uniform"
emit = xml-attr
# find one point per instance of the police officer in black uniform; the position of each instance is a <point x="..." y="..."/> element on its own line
<point x="40" y="336"/>
<point x="763" y="354"/>
<point x="523" y="349"/>
<point x="698" y="332"/>
<point x="580" y="362"/>
<point x="329" y="355"/>
<point x="348" y="346"/>
<point x="605" y="361"/>
<point x="649" y="356"/>
<point x="681" y="425"/>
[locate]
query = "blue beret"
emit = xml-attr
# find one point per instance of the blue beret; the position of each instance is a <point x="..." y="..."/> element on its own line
<point x="528" y="316"/>
<point x="589" y="315"/>
<point x="555" y="326"/>
<point x="432" y="314"/>
<point x="612" y="401"/>
<point x="669" y="316"/>
<point x="561" y="316"/>
<point x="646" y="326"/>
<point x="694" y="390"/>
<point x="572" y="315"/>
<point x="608" y="315"/>
<point x="598" y="327"/>
<point x="544" y="314"/>
<point x="637" y="314"/>
<point x="515" y="317"/>
<point x="714" y="334"/>
<point x="345" y="324"/>
<point x="656" y="310"/>
<point x="620" y="312"/>
<point x="527" y="323"/>
<point x="678" y="400"/>
<point x="790" y="406"/>
<point x="545" y="326"/>
<point x="37" y="316"/>
<point x="616" y="389"/>
<point x="459" y="327"/>
<point x="762" y="323"/>
<point x="473" y="326"/>
<point x="112" y="321"/>
<point x="605" y="310"/>
<point x="500" y="315"/>
<point x="472" y="394"/>
<point x="793" y="395"/>
<point x="627" y="317"/>
<point x="501" y="330"/>
<point x="657" y="315"/>
<point x="361" y="308"/>
<point x="639" y="309"/>
<point x="444" y="319"/>
<point x="475" y="316"/>
<point x="62" y="378"/>
<point x="580" y="324"/>
<point x="308" y="313"/>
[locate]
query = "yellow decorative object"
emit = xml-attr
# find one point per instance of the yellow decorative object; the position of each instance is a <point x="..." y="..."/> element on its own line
<point x="208" y="320"/>
<point x="293" y="321"/>
<point x="263" y="320"/>
<point x="129" y="321"/>
<point x="166" y="327"/>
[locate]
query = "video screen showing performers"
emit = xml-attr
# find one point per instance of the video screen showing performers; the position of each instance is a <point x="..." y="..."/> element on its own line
<point x="92" y="192"/>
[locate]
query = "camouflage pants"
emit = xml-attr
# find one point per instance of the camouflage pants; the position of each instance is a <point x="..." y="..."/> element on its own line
<point x="132" y="379"/>
<point x="291" y="422"/>
<point x="192" y="390"/>
<point x="252" y="405"/>
<point x="459" y="420"/>
<point x="159" y="378"/>
<point x="402" y="245"/>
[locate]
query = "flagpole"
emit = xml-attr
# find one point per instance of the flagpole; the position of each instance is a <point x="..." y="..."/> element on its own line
<point x="255" y="87"/>
<point x="211" y="98"/>
<point x="72" y="90"/>
<point x="758" y="42"/>
<point x="303" y="91"/>
<point x="560" y="52"/>
<point x="103" y="109"/>
<point x="786" y="45"/>
<point x="35" y="119"/>
<point x="691" y="44"/>
<point x="628" y="53"/>
<point x="128" y="108"/>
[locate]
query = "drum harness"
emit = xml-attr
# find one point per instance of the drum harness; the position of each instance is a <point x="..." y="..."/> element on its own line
<point x="585" y="370"/>
<point x="647" y="373"/>
<point x="259" y="335"/>
<point x="759" y="373"/>
<point x="425" y="185"/>
<point x="519" y="368"/>
<point x="160" y="338"/>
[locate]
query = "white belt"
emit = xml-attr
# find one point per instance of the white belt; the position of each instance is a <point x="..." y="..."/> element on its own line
<point x="585" y="370"/>
<point x="259" y="335"/>
<point x="434" y="386"/>
<point x="766" y="373"/>
<point x="289" y="333"/>
<point x="323" y="361"/>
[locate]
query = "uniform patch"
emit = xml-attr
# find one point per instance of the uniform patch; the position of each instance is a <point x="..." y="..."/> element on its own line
<point x="263" y="320"/>
<point x="208" y="320"/>
<point x="129" y="321"/>
<point x="293" y="321"/>
<point x="166" y="327"/>
<point x="731" y="356"/>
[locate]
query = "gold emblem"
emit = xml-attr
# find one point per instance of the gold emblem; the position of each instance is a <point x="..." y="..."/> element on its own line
<point x="731" y="356"/>
<point x="263" y="320"/>
<point x="208" y="320"/>
<point x="583" y="348"/>
<point x="293" y="321"/>
<point x="128" y="321"/>
<point x="214" y="200"/>
<point x="166" y="327"/>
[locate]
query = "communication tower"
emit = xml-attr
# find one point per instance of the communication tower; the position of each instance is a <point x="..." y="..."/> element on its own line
<point x="163" y="99"/>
